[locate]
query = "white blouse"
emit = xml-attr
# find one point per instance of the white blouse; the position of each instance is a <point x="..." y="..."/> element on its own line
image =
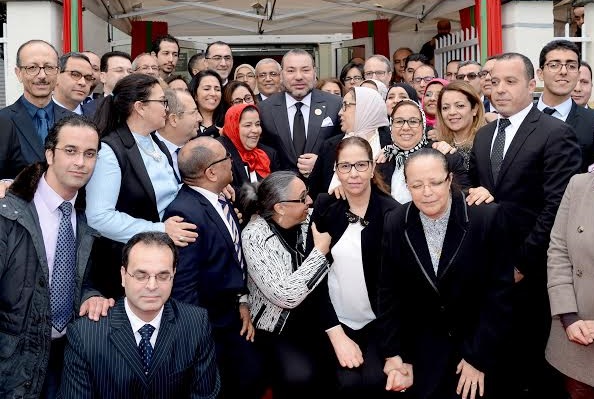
<point x="398" y="188"/>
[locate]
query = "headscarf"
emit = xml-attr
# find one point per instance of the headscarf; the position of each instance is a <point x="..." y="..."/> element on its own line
<point x="381" y="87"/>
<point x="256" y="159"/>
<point x="412" y="93"/>
<point x="252" y="69"/>
<point x="432" y="120"/>
<point x="370" y="112"/>
<point x="400" y="155"/>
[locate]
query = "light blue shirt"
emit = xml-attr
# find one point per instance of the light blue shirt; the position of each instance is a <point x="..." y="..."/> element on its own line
<point x="561" y="111"/>
<point x="104" y="187"/>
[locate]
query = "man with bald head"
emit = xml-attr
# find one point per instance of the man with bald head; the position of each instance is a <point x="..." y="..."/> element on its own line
<point x="211" y="272"/>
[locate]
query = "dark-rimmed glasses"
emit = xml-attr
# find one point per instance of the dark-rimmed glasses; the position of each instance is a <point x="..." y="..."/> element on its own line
<point x="412" y="122"/>
<point x="470" y="76"/>
<point x="248" y="99"/>
<point x="33" y="70"/>
<point x="555" y="66"/>
<point x="76" y="75"/>
<point x="346" y="167"/>
<point x="301" y="200"/>
<point x="227" y="156"/>
<point x="163" y="102"/>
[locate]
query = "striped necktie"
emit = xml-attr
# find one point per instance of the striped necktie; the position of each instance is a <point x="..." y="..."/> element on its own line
<point x="234" y="230"/>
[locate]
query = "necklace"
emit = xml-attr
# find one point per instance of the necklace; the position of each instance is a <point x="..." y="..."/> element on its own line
<point x="155" y="153"/>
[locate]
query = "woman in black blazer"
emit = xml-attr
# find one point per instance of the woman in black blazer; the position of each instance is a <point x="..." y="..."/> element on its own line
<point x="349" y="299"/>
<point x="252" y="161"/>
<point x="444" y="288"/>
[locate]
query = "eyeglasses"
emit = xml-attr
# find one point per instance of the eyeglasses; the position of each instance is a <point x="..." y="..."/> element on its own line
<point x="219" y="58"/>
<point x="555" y="66"/>
<point x="143" y="277"/>
<point x="470" y="76"/>
<point x="272" y="75"/>
<point x="355" y="79"/>
<point x="148" y="67"/>
<point x="346" y="167"/>
<point x="76" y="75"/>
<point x="33" y="70"/>
<point x="346" y="104"/>
<point x="379" y="74"/>
<point x="248" y="99"/>
<point x="71" y="152"/>
<point x="412" y="122"/>
<point x="246" y="76"/>
<point x="427" y="79"/>
<point x="484" y="73"/>
<point x="190" y="112"/>
<point x="227" y="156"/>
<point x="301" y="200"/>
<point x="164" y="103"/>
<point x="433" y="185"/>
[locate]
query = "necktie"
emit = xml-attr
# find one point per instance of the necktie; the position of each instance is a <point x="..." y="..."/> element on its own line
<point x="487" y="104"/>
<point x="42" y="124"/>
<point x="498" y="147"/>
<point x="87" y="100"/>
<point x="299" y="130"/>
<point x="234" y="231"/>
<point x="62" y="287"/>
<point x="549" y="111"/>
<point x="145" y="347"/>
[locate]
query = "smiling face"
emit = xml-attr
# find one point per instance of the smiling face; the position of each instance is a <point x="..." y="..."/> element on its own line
<point x="430" y="98"/>
<point x="406" y="137"/>
<point x="395" y="95"/>
<point x="38" y="88"/>
<point x="268" y="76"/>
<point x="250" y="129"/>
<point x="246" y="75"/>
<point x="457" y="112"/>
<point x="208" y="94"/>
<point x="560" y="84"/>
<point x="355" y="183"/>
<point x="220" y="60"/>
<point x="347" y="116"/>
<point x="293" y="213"/>
<point x="421" y="77"/>
<point x="512" y="90"/>
<point x="298" y="75"/>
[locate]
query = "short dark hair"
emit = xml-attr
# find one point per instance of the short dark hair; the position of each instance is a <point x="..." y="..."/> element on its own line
<point x="231" y="87"/>
<point x="156" y="45"/>
<point x="73" y="120"/>
<point x="171" y="78"/>
<point x="63" y="59"/>
<point x="417" y="57"/>
<point x="347" y="68"/>
<point x="584" y="63"/>
<point x="217" y="43"/>
<point x="377" y="178"/>
<point x="557" y="45"/>
<point x="22" y="46"/>
<point x="528" y="67"/>
<point x="105" y="58"/>
<point x="193" y="61"/>
<point x="219" y="112"/>
<point x="149" y="238"/>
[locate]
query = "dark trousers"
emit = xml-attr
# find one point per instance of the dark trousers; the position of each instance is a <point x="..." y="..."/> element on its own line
<point x="53" y="376"/>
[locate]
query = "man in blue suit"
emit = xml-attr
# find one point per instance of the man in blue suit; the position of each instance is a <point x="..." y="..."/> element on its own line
<point x="211" y="272"/>
<point x="149" y="346"/>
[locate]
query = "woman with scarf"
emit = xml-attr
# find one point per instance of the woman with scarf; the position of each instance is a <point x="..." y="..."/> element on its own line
<point x="252" y="161"/>
<point x="362" y="115"/>
<point x="408" y="133"/>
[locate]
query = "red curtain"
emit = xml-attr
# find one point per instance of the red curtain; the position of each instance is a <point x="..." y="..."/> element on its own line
<point x="143" y="34"/>
<point x="495" y="42"/>
<point x="377" y="29"/>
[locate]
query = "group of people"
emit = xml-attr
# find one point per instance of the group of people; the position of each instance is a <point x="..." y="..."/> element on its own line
<point x="224" y="237"/>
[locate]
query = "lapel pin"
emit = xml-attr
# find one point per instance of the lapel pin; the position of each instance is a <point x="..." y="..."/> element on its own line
<point x="580" y="229"/>
<point x="318" y="112"/>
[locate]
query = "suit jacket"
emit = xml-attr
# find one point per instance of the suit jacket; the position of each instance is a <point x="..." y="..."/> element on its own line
<point x="571" y="277"/>
<point x="16" y="118"/>
<point x="277" y="134"/>
<point x="102" y="359"/>
<point x="582" y="121"/>
<point x="539" y="162"/>
<point x="11" y="158"/>
<point x="433" y="320"/>
<point x="208" y="273"/>
<point x="89" y="109"/>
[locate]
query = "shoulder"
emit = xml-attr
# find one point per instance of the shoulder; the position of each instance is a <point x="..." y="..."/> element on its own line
<point x="11" y="205"/>
<point x="319" y="95"/>
<point x="385" y="201"/>
<point x="325" y="201"/>
<point x="489" y="127"/>
<point x="187" y="311"/>
<point x="271" y="152"/>
<point x="396" y="217"/>
<point x="257" y="227"/>
<point x="275" y="99"/>
<point x="581" y="182"/>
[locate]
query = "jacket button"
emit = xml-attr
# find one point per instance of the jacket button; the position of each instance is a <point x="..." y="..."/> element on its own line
<point x="580" y="229"/>
<point x="579" y="273"/>
<point x="28" y="384"/>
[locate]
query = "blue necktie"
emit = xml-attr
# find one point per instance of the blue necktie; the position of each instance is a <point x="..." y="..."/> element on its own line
<point x="42" y="124"/>
<point x="145" y="347"/>
<point x="234" y="231"/>
<point x="62" y="287"/>
<point x="487" y="104"/>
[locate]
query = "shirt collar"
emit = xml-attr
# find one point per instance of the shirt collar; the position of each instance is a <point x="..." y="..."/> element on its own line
<point x="32" y="109"/>
<point x="443" y="219"/>
<point x="213" y="198"/>
<point x="291" y="101"/>
<point x="564" y="108"/>
<point x="170" y="146"/>
<point x="77" y="110"/>
<point x="50" y="197"/>
<point x="517" y="118"/>
<point x="137" y="323"/>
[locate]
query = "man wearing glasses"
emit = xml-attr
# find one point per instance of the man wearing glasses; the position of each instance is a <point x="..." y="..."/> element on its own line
<point x="378" y="67"/>
<point x="469" y="71"/>
<point x="146" y="339"/>
<point x="211" y="272"/>
<point x="219" y="59"/>
<point x="34" y="113"/>
<point x="268" y="78"/>
<point x="74" y="81"/>
<point x="147" y="64"/>
<point x="560" y="70"/>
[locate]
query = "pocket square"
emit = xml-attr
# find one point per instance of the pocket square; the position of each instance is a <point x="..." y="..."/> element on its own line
<point x="327" y="122"/>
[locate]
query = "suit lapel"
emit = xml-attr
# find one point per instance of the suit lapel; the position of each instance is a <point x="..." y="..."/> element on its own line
<point x="317" y="113"/>
<point x="281" y="121"/>
<point x="455" y="234"/>
<point x="483" y="151"/>
<point x="60" y="113"/>
<point x="162" y="351"/>
<point x="415" y="238"/>
<point x="122" y="337"/>
<point x="27" y="128"/>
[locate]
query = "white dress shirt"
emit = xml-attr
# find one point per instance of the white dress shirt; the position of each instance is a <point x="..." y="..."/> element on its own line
<point x="214" y="201"/>
<point x="292" y="110"/>
<point x="172" y="148"/>
<point x="137" y="324"/>
<point x="77" y="110"/>
<point x="510" y="131"/>
<point x="561" y="111"/>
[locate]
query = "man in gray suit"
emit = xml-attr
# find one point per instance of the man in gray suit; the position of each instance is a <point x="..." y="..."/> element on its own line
<point x="297" y="121"/>
<point x="149" y="346"/>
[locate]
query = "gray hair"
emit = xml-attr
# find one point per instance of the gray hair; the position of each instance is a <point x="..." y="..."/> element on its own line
<point x="379" y="57"/>
<point x="261" y="197"/>
<point x="137" y="60"/>
<point x="268" y="61"/>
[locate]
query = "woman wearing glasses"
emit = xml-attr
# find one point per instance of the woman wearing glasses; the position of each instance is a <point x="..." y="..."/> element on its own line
<point x="133" y="181"/>
<point x="237" y="92"/>
<point x="281" y="277"/>
<point x="252" y="161"/>
<point x="349" y="305"/>
<point x="351" y="75"/>
<point x="444" y="288"/>
<point x="206" y="88"/>
<point x="247" y="74"/>
<point x="408" y="135"/>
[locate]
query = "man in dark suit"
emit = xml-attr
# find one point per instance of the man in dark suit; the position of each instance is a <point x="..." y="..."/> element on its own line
<point x="524" y="159"/>
<point x="74" y="81"/>
<point x="211" y="272"/>
<point x="148" y="346"/>
<point x="559" y="70"/>
<point x="34" y="113"/>
<point x="297" y="121"/>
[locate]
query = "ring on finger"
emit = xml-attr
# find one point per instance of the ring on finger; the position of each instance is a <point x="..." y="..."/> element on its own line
<point x="181" y="238"/>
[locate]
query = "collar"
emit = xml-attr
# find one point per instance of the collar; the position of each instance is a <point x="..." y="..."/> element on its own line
<point x="291" y="101"/>
<point x="32" y="109"/>
<point x="517" y="118"/>
<point x="443" y="219"/>
<point x="264" y="97"/>
<point x="170" y="146"/>
<point x="50" y="197"/>
<point x="137" y="323"/>
<point x="77" y="110"/>
<point x="564" y="108"/>
<point x="213" y="198"/>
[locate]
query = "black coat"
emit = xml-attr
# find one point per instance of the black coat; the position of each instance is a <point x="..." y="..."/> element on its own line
<point x="582" y="121"/>
<point x="434" y="321"/>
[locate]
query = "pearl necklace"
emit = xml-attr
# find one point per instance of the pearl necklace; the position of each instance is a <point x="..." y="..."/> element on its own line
<point x="155" y="153"/>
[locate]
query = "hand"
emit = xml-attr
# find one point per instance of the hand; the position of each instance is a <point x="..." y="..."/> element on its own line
<point x="321" y="240"/>
<point x="478" y="195"/>
<point x="518" y="276"/>
<point x="339" y="192"/>
<point x="470" y="379"/>
<point x="306" y="163"/>
<point x="95" y="307"/>
<point x="247" y="327"/>
<point x="444" y="147"/>
<point x="580" y="333"/>
<point x="381" y="158"/>
<point x="400" y="375"/>
<point x="4" y="185"/>
<point x="239" y="215"/>
<point x="179" y="231"/>
<point x="229" y="193"/>
<point x="490" y="116"/>
<point x="433" y="134"/>
<point x="347" y="351"/>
